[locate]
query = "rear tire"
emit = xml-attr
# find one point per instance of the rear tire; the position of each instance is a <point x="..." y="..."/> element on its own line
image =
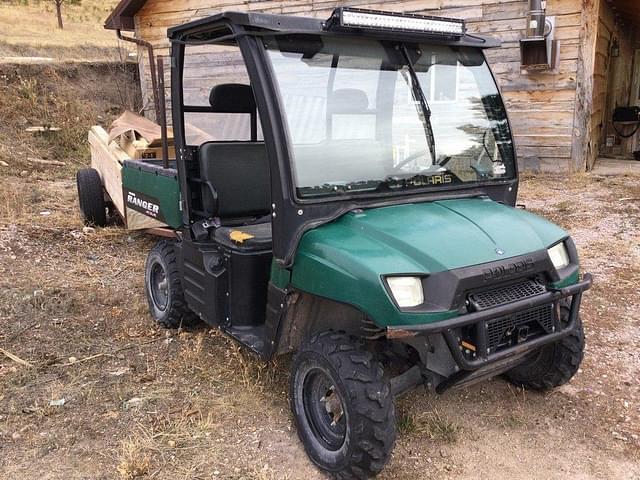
<point x="343" y="406"/>
<point x="93" y="208"/>
<point x="163" y="287"/>
<point x="553" y="365"/>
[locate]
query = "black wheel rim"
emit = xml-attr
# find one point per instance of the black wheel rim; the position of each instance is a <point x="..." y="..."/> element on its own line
<point x="324" y="409"/>
<point x="159" y="287"/>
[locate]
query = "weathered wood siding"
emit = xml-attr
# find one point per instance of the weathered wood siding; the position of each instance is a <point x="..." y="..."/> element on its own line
<point x="541" y="106"/>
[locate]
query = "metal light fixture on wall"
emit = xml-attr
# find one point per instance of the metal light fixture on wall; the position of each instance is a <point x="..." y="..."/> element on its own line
<point x="615" y="48"/>
<point x="539" y="50"/>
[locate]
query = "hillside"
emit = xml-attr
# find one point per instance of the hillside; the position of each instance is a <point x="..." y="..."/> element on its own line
<point x="70" y="97"/>
<point x="29" y="29"/>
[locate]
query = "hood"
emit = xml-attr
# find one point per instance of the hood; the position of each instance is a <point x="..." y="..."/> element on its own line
<point x="431" y="237"/>
<point x="345" y="260"/>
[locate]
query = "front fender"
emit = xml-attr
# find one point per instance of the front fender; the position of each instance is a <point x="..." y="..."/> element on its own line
<point x="335" y="272"/>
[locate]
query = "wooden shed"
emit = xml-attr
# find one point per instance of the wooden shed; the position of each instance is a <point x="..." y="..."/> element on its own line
<point x="561" y="112"/>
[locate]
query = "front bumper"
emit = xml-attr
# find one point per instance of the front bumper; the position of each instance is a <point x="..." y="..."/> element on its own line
<point x="479" y="319"/>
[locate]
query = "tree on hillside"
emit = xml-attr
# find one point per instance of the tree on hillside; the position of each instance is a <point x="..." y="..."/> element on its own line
<point x="58" y="4"/>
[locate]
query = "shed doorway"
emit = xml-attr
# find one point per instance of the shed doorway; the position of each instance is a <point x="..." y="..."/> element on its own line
<point x="622" y="137"/>
<point x="635" y="96"/>
<point x="616" y="100"/>
<point x="619" y="155"/>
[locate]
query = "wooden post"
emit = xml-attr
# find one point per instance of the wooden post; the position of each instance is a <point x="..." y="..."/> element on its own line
<point x="163" y="112"/>
<point x="582" y="147"/>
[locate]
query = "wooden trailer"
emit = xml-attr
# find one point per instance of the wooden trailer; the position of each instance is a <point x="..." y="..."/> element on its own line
<point x="134" y="178"/>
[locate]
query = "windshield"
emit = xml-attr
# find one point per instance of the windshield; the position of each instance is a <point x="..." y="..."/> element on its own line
<point x="366" y="116"/>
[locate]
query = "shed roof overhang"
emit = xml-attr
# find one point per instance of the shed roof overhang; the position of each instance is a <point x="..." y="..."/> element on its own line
<point x="121" y="18"/>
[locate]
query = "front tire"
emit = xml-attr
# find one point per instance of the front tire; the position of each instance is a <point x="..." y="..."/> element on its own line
<point x="163" y="287"/>
<point x="343" y="406"/>
<point x="553" y="365"/>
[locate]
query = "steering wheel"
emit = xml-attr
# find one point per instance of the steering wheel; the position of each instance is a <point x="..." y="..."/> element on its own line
<point x="416" y="155"/>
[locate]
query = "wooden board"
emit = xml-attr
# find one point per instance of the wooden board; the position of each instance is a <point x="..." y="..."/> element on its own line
<point x="107" y="159"/>
<point x="139" y="221"/>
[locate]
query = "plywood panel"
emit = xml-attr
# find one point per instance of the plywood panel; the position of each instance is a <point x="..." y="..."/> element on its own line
<point x="139" y="221"/>
<point x="108" y="162"/>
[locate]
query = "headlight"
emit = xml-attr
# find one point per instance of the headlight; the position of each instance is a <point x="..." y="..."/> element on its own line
<point x="407" y="291"/>
<point x="559" y="256"/>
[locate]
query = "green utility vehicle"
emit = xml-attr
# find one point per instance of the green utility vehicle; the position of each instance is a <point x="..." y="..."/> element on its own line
<point x="365" y="220"/>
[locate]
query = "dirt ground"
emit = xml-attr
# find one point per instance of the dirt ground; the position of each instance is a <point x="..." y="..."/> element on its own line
<point x="91" y="389"/>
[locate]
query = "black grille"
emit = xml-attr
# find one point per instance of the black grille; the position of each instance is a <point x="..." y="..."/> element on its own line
<point x="504" y="295"/>
<point x="505" y="329"/>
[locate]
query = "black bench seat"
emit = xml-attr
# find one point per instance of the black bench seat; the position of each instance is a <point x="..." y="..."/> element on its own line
<point x="246" y="237"/>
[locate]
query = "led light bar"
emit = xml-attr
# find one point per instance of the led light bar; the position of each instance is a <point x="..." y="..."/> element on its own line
<point x="350" y="18"/>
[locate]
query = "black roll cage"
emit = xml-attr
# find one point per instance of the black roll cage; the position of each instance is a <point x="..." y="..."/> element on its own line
<point x="292" y="217"/>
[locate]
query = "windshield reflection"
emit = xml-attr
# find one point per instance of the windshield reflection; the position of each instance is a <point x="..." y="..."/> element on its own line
<point x="358" y="121"/>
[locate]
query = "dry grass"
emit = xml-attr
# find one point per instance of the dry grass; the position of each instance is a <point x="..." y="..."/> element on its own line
<point x="134" y="460"/>
<point x="433" y="424"/>
<point x="30" y="29"/>
<point x="71" y="98"/>
<point x="12" y="201"/>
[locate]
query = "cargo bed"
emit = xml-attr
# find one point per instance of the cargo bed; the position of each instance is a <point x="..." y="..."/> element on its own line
<point x="145" y="194"/>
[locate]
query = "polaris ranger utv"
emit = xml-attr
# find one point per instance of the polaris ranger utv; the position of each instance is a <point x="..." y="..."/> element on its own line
<point x="366" y="221"/>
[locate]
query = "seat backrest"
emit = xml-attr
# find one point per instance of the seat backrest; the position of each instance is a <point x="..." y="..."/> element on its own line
<point x="236" y="179"/>
<point x="232" y="98"/>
